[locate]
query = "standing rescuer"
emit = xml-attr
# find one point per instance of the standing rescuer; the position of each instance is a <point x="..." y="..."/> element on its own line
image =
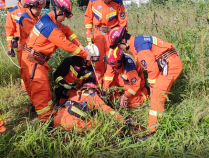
<point x="122" y="70"/>
<point x="12" y="27"/>
<point x="27" y="21"/>
<point x="47" y="35"/>
<point x="161" y="61"/>
<point x="104" y="15"/>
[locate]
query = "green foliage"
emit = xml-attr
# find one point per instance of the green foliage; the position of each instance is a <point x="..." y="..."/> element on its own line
<point x="183" y="131"/>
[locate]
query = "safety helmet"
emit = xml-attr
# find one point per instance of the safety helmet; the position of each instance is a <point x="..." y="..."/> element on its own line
<point x="115" y="36"/>
<point x="35" y="3"/>
<point x="93" y="51"/>
<point x="114" y="57"/>
<point x="64" y="5"/>
<point x="89" y="85"/>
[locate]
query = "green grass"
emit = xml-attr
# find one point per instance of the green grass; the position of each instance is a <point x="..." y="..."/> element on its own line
<point x="184" y="129"/>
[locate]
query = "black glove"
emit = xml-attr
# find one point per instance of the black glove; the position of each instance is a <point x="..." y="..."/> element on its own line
<point x="104" y="93"/>
<point x="15" y="42"/>
<point x="11" y="53"/>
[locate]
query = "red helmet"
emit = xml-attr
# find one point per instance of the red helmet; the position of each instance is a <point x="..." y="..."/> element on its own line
<point x="115" y="36"/>
<point x="114" y="57"/>
<point x="65" y="6"/>
<point x="35" y="3"/>
<point x="89" y="85"/>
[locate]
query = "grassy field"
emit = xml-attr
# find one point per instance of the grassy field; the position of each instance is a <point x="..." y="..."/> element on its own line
<point x="184" y="129"/>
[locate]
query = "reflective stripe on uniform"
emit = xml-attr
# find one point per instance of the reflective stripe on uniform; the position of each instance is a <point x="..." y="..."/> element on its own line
<point x="43" y="110"/>
<point x="36" y="31"/>
<point x="89" y="26"/>
<point x="111" y="15"/>
<point x="15" y="17"/>
<point x="151" y="81"/>
<point x="131" y="91"/>
<point x="154" y="39"/>
<point x="112" y="113"/>
<point x="50" y="102"/>
<point x="77" y="51"/>
<point x="85" y="76"/>
<point x="73" y="70"/>
<point x="96" y="12"/>
<point x="106" y="78"/>
<point x="72" y="37"/>
<point x="144" y="96"/>
<point x="10" y="38"/>
<point x="58" y="79"/>
<point x="78" y="111"/>
<point x="88" y="39"/>
<point x="155" y="113"/>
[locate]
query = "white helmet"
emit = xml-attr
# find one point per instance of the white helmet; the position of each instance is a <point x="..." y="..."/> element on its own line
<point x="93" y="51"/>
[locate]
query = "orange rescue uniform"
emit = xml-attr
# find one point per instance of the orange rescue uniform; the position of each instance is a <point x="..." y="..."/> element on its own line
<point x="26" y="23"/>
<point x="12" y="24"/>
<point x="2" y="127"/>
<point x="148" y="49"/>
<point x="46" y="36"/>
<point x="130" y="76"/>
<point x="102" y="15"/>
<point x="92" y="101"/>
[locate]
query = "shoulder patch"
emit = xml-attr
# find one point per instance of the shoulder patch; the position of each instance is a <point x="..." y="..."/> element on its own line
<point x="144" y="64"/>
<point x="134" y="80"/>
<point x="12" y="9"/>
<point x="122" y="15"/>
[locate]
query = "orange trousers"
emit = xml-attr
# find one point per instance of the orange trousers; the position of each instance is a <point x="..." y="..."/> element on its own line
<point x="160" y="90"/>
<point x="39" y="88"/>
<point x="101" y="41"/>
<point x="136" y="100"/>
<point x="2" y="127"/>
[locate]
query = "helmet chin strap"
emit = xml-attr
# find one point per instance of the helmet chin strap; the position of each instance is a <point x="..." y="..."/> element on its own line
<point x="31" y="11"/>
<point x="55" y="11"/>
<point x="127" y="46"/>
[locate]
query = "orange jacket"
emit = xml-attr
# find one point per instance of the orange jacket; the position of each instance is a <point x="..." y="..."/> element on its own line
<point x="94" y="101"/>
<point x="26" y="23"/>
<point x="130" y="72"/>
<point x="148" y="49"/>
<point x="47" y="35"/>
<point x="12" y="26"/>
<point x="101" y="14"/>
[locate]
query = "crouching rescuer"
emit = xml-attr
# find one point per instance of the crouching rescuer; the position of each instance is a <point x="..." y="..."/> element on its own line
<point x="47" y="35"/>
<point x="123" y="71"/>
<point x="161" y="61"/>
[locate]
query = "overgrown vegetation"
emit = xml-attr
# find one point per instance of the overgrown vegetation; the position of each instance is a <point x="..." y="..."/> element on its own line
<point x="184" y="129"/>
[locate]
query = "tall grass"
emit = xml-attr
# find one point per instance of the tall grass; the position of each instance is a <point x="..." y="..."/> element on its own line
<point x="184" y="129"/>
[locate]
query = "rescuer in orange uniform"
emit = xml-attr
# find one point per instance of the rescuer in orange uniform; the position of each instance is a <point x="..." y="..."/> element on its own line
<point x="74" y="112"/>
<point x="27" y="21"/>
<point x="123" y="71"/>
<point x="2" y="127"/>
<point x="12" y="27"/>
<point x="161" y="61"/>
<point x="104" y="15"/>
<point x="47" y="35"/>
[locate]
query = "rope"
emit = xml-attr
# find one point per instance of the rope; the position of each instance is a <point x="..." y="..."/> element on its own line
<point x="8" y="55"/>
